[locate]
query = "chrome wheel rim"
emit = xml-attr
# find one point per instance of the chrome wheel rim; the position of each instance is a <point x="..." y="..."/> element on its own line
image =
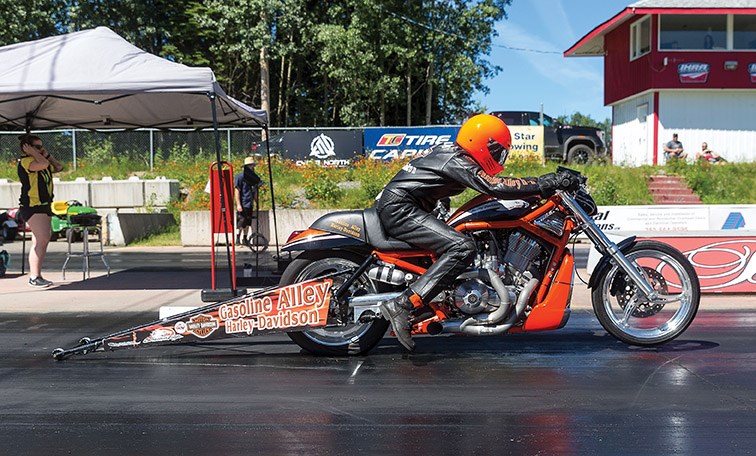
<point x="630" y="312"/>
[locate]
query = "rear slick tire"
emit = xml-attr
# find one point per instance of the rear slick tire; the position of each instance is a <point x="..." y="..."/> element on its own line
<point x="350" y="339"/>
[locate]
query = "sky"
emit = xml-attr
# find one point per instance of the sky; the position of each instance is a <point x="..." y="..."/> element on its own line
<point x="527" y="79"/>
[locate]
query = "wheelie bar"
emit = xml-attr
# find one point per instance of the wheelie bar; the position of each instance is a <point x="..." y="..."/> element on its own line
<point x="274" y="309"/>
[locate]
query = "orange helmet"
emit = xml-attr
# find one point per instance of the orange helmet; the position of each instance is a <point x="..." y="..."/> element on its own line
<point x="487" y="139"/>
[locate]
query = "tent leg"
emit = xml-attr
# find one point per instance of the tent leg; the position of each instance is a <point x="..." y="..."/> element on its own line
<point x="23" y="248"/>
<point x="222" y="188"/>
<point x="272" y="194"/>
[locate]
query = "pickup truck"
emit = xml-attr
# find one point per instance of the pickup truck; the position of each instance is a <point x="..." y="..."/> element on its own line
<point x="565" y="143"/>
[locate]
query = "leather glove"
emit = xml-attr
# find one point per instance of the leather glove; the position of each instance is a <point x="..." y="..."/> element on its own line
<point x="548" y="184"/>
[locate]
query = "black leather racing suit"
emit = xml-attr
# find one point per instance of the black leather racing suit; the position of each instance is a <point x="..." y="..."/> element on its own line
<point x="406" y="203"/>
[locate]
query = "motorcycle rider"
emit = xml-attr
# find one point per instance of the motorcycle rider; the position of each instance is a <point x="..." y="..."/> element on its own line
<point x="406" y="203"/>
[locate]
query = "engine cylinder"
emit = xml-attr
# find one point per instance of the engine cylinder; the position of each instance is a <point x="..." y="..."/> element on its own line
<point x="521" y="251"/>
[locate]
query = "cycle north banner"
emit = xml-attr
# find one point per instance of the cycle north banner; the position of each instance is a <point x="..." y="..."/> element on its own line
<point x="388" y="143"/>
<point x="324" y="147"/>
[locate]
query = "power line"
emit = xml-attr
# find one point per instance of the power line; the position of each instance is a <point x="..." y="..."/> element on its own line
<point x="454" y="35"/>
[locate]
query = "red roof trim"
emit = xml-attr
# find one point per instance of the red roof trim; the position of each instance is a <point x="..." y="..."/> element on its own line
<point x="598" y="30"/>
<point x="623" y="15"/>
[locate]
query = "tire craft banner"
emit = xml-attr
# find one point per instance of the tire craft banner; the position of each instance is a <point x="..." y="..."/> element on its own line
<point x="324" y="147"/>
<point x="405" y="142"/>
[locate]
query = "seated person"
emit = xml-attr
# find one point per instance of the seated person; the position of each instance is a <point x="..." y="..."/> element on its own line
<point x="709" y="155"/>
<point x="674" y="149"/>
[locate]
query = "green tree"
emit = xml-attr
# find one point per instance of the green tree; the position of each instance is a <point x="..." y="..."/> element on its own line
<point x="30" y="19"/>
<point x="310" y="63"/>
<point x="579" y="119"/>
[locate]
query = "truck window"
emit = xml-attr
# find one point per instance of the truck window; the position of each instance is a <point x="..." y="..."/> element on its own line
<point x="510" y="119"/>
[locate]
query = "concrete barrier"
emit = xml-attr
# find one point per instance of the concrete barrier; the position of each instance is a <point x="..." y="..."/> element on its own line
<point x="195" y="228"/>
<point x="122" y="229"/>
<point x="9" y="193"/>
<point x="158" y="192"/>
<point x="195" y="225"/>
<point x="119" y="194"/>
<point x="72" y="190"/>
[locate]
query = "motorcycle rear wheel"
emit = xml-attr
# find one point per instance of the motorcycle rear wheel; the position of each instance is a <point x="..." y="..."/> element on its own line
<point x="349" y="338"/>
<point x="627" y="315"/>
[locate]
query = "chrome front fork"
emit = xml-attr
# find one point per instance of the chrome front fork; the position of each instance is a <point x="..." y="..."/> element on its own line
<point x="607" y="247"/>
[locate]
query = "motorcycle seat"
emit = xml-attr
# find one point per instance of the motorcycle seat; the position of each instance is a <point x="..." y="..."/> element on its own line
<point x="377" y="236"/>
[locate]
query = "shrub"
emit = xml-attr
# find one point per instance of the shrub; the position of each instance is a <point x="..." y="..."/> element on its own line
<point x="321" y="184"/>
<point x="730" y="183"/>
<point x="373" y="175"/>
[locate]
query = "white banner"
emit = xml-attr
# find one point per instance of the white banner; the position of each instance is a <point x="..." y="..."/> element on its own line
<point x="730" y="218"/>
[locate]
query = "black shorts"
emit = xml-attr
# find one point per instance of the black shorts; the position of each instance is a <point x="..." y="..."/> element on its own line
<point x="244" y="218"/>
<point x="25" y="213"/>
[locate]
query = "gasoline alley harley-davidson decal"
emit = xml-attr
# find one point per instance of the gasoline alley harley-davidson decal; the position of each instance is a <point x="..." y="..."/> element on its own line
<point x="294" y="306"/>
<point x="291" y="307"/>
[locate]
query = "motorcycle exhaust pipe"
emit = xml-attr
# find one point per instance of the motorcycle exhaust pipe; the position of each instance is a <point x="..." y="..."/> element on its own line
<point x="473" y="327"/>
<point x="496" y="330"/>
<point x="447" y="326"/>
<point x="374" y="299"/>
<point x="505" y="306"/>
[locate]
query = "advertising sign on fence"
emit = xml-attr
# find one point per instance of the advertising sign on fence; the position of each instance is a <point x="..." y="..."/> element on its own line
<point x="711" y="217"/>
<point x="404" y="142"/>
<point x="527" y="142"/>
<point x="325" y="147"/>
<point x="652" y="218"/>
<point x="723" y="264"/>
<point x="730" y="217"/>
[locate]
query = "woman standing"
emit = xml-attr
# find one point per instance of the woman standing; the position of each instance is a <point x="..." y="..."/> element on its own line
<point x="35" y="169"/>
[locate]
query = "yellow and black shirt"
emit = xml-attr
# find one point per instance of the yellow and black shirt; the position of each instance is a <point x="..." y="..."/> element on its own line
<point x="36" y="186"/>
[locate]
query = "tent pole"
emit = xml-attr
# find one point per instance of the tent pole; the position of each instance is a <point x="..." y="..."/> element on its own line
<point x="221" y="186"/>
<point x="272" y="195"/>
<point x="23" y="238"/>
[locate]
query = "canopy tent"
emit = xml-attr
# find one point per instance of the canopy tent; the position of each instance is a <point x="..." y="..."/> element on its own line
<point x="95" y="79"/>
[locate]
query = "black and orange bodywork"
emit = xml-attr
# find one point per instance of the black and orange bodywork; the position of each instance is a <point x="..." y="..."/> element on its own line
<point x="551" y="299"/>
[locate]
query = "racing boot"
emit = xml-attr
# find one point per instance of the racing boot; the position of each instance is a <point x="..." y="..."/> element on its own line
<point x="398" y="312"/>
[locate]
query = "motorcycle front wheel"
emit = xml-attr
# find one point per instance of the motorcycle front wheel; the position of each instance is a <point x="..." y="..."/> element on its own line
<point x="341" y="337"/>
<point x="624" y="311"/>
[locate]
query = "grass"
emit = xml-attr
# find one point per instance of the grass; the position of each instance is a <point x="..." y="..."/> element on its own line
<point x="314" y="187"/>
<point x="171" y="236"/>
<point x="731" y="183"/>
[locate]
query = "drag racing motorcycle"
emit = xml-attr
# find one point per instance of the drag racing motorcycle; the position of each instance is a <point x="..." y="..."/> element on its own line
<point x="643" y="292"/>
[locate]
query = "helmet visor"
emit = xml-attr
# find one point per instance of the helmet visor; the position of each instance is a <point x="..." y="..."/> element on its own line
<point x="497" y="151"/>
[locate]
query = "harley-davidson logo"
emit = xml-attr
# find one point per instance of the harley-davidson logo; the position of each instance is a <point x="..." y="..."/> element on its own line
<point x="202" y="325"/>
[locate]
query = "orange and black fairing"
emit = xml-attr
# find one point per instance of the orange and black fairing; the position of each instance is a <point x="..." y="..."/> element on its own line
<point x="312" y="239"/>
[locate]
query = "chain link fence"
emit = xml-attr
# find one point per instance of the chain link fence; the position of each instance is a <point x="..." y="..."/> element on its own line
<point x="75" y="146"/>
